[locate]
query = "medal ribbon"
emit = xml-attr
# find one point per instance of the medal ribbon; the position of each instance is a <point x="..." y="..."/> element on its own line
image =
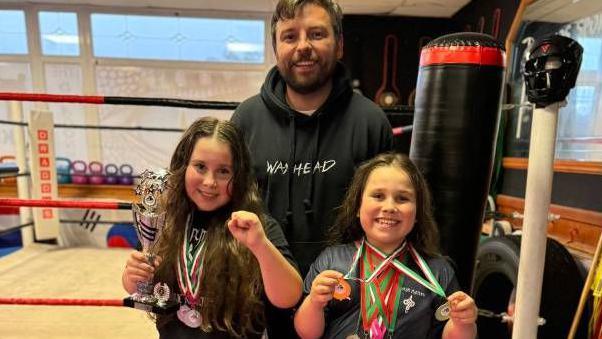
<point x="383" y="264"/>
<point x="190" y="268"/>
<point x="432" y="283"/>
<point x="376" y="295"/>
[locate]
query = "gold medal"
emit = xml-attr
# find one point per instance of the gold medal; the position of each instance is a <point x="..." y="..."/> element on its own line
<point x="442" y="312"/>
<point x="342" y="290"/>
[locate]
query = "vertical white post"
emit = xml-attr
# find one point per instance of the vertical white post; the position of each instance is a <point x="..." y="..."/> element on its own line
<point x="43" y="173"/>
<point x="87" y="61"/>
<point x="16" y="114"/>
<point x="540" y="173"/>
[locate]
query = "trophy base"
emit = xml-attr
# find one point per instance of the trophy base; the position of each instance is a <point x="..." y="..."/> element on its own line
<point x="170" y="306"/>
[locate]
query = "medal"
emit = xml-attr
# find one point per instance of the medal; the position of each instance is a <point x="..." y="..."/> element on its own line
<point x="342" y="290"/>
<point x="442" y="312"/>
<point x="190" y="317"/>
<point x="377" y="330"/>
<point x="190" y="269"/>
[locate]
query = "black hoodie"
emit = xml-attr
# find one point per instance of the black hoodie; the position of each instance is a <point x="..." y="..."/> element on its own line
<point x="304" y="163"/>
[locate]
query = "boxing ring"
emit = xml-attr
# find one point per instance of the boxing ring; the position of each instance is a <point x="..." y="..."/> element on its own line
<point x="72" y="291"/>
<point x="66" y="279"/>
<point x="53" y="291"/>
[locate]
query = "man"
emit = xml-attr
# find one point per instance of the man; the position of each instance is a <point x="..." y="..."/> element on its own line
<point x="307" y="130"/>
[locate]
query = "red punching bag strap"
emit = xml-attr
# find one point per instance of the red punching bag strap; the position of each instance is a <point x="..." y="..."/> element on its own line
<point x="476" y="55"/>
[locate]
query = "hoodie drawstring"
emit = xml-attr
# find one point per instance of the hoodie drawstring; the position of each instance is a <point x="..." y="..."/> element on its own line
<point x="308" y="201"/>
<point x="291" y="164"/>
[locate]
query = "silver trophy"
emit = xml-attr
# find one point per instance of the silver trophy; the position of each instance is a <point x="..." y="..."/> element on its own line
<point x="149" y="219"/>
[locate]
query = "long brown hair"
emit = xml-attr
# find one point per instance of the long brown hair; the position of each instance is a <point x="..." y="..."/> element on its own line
<point x="231" y="285"/>
<point x="347" y="228"/>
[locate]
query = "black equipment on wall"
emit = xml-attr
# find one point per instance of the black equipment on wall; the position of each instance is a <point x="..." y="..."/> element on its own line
<point x="457" y="110"/>
<point x="387" y="94"/>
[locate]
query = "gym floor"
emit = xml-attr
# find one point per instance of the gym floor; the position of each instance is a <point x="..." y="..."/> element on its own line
<point x="46" y="271"/>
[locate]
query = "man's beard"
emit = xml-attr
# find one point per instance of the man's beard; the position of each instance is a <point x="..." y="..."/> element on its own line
<point x="305" y="85"/>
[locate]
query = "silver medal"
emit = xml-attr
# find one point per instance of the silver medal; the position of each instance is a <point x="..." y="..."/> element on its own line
<point x="442" y="312"/>
<point x="190" y="317"/>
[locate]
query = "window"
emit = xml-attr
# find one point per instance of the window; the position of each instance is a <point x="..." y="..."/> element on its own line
<point x="579" y="130"/>
<point x="59" y="33"/>
<point x="592" y="52"/>
<point x="175" y="38"/>
<point x="13" y="35"/>
<point x="580" y="122"/>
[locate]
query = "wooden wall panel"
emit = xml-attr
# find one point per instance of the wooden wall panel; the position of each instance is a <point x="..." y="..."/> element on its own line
<point x="578" y="229"/>
<point x="72" y="191"/>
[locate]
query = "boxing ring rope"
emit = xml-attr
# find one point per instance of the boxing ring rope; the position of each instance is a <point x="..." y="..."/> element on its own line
<point x="396" y="130"/>
<point x="142" y="101"/>
<point x="119" y="128"/>
<point x="61" y="302"/>
<point x="402" y="130"/>
<point x="76" y="204"/>
<point x="14" y="228"/>
<point x="111" y="100"/>
<point x="72" y="204"/>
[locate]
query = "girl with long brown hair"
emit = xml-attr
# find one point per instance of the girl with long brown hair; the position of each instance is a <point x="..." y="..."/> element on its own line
<point x="216" y="237"/>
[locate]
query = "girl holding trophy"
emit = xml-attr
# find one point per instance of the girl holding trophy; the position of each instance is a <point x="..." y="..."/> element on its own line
<point x="385" y="277"/>
<point x="226" y="259"/>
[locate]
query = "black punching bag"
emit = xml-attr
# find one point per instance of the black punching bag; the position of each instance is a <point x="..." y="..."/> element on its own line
<point x="457" y="110"/>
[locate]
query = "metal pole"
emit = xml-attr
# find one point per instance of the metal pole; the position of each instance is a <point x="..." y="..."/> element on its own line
<point x="540" y="173"/>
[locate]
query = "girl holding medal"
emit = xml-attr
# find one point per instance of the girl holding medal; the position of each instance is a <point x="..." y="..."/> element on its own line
<point x="385" y="275"/>
<point x="218" y="250"/>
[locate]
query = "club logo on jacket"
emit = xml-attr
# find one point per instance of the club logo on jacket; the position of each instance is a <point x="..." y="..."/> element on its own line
<point x="408" y="303"/>
<point x="301" y="168"/>
<point x="413" y="291"/>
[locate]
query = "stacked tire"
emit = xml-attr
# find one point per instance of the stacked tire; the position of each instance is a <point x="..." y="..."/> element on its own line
<point x="495" y="283"/>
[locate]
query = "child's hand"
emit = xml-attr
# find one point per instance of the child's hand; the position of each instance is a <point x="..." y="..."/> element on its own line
<point x="322" y="288"/>
<point x="463" y="309"/>
<point x="137" y="267"/>
<point x="247" y="229"/>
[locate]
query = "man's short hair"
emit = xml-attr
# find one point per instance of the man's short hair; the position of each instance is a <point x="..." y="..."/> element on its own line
<point x="286" y="10"/>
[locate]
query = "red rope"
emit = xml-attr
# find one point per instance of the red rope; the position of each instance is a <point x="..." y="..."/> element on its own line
<point x="84" y="99"/>
<point x="402" y="130"/>
<point x="106" y="205"/>
<point x="61" y="302"/>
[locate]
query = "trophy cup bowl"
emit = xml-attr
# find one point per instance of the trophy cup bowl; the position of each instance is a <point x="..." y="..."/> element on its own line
<point x="149" y="220"/>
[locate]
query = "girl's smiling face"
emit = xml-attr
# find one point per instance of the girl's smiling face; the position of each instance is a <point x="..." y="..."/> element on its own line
<point x="209" y="174"/>
<point x="388" y="209"/>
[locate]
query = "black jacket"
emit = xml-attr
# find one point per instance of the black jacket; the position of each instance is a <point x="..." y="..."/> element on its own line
<point x="304" y="163"/>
